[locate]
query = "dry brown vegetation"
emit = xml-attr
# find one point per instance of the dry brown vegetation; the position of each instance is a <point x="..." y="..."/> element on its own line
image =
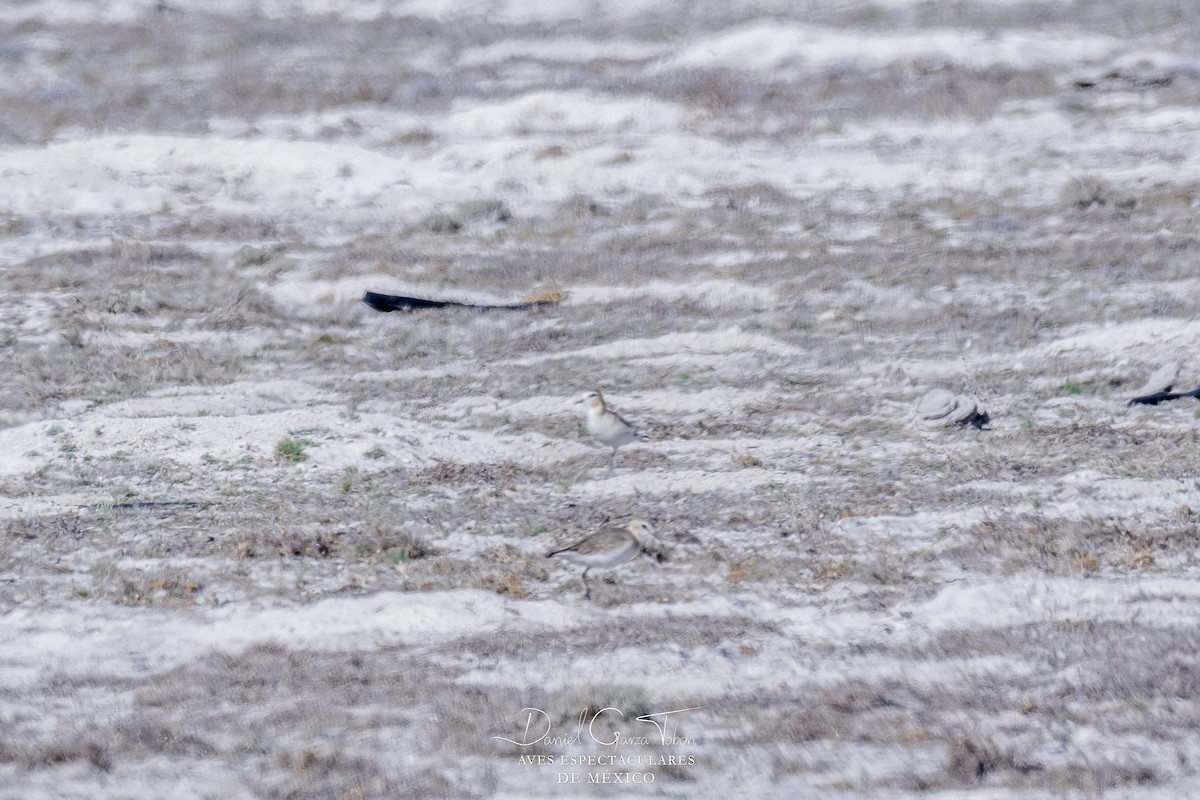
<point x="201" y="424"/>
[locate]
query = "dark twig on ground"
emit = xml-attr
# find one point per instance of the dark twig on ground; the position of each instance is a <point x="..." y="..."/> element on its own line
<point x="392" y="302"/>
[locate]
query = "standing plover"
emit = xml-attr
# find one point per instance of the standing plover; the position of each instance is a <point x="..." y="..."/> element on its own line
<point x="607" y="548"/>
<point x="605" y="425"/>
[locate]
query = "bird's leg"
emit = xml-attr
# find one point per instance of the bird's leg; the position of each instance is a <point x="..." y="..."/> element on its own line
<point x="612" y="459"/>
<point x="587" y="590"/>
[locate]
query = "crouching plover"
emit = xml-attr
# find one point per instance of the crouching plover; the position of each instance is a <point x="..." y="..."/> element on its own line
<point x="605" y="425"/>
<point x="607" y="548"/>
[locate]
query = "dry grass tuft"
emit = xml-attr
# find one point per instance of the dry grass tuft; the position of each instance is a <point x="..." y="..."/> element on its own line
<point x="970" y="760"/>
<point x="83" y="749"/>
<point x="137" y="587"/>
<point x="1069" y="546"/>
<point x="548" y="296"/>
<point x="813" y="319"/>
<point x="453" y="473"/>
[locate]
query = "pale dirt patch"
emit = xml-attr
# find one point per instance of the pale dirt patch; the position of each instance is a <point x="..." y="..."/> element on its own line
<point x="257" y="540"/>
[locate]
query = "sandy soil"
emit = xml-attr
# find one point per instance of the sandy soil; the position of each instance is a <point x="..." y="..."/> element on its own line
<point x="257" y="540"/>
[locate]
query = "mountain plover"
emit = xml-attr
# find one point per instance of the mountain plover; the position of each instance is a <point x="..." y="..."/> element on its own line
<point x="605" y="425"/>
<point x="607" y="548"/>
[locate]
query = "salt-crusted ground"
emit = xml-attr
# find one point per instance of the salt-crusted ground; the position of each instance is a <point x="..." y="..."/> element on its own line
<point x="260" y="541"/>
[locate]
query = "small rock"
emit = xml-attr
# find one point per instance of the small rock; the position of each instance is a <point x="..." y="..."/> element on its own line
<point x="942" y="407"/>
<point x="1162" y="380"/>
